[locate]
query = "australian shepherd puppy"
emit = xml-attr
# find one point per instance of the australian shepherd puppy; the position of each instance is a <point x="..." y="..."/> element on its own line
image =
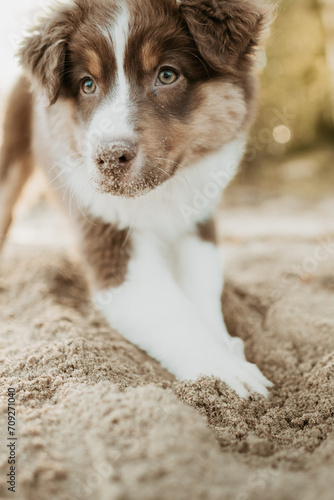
<point x="138" y="110"/>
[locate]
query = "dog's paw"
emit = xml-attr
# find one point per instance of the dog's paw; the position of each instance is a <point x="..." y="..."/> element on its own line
<point x="240" y="375"/>
<point x="245" y="379"/>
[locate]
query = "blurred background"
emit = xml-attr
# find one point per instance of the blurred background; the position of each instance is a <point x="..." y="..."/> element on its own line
<point x="292" y="143"/>
<point x="291" y="150"/>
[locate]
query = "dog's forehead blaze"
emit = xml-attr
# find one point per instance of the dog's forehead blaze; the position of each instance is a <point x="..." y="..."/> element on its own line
<point x="132" y="39"/>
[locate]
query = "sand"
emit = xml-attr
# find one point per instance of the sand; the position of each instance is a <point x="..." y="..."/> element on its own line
<point x="99" y="419"/>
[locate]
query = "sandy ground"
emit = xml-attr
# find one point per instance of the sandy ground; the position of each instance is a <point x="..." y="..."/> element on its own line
<point x="97" y="418"/>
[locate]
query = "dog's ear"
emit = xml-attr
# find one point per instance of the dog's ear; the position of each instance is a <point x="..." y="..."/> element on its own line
<point x="42" y="54"/>
<point x="226" y="32"/>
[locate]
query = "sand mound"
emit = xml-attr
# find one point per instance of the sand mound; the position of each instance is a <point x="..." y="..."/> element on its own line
<point x="97" y="418"/>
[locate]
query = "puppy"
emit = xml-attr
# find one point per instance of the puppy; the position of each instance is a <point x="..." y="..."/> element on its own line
<point x="138" y="111"/>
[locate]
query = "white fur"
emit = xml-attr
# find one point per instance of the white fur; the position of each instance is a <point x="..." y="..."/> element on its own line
<point x="200" y="275"/>
<point x="113" y="120"/>
<point x="152" y="311"/>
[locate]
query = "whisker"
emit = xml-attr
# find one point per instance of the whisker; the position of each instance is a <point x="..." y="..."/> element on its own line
<point x="70" y="201"/>
<point x="171" y="161"/>
<point x="82" y="187"/>
<point x="54" y="180"/>
<point x="162" y="170"/>
<point x="180" y="171"/>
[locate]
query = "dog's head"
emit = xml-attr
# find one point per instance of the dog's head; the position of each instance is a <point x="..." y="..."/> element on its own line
<point x="153" y="85"/>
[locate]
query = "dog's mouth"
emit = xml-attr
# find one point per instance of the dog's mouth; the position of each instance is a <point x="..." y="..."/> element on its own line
<point x="124" y="182"/>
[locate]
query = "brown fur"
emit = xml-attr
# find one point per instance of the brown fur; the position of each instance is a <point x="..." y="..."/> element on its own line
<point x="207" y="231"/>
<point x="94" y="64"/>
<point x="17" y="127"/>
<point x="150" y="56"/>
<point x="106" y="249"/>
<point x="220" y="114"/>
<point x="16" y="162"/>
<point x="227" y="32"/>
<point x="44" y="55"/>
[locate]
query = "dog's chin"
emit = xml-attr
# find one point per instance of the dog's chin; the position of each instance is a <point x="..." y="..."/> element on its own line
<point x="124" y="187"/>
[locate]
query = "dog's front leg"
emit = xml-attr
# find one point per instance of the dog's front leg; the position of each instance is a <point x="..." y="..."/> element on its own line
<point x="150" y="309"/>
<point x="200" y="275"/>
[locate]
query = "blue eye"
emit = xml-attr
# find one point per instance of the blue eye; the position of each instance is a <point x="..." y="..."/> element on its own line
<point x="88" y="86"/>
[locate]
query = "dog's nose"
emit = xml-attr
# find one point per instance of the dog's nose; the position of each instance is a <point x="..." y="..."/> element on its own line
<point x="116" y="153"/>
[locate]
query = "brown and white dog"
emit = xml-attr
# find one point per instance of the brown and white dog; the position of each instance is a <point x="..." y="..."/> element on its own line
<point x="138" y="110"/>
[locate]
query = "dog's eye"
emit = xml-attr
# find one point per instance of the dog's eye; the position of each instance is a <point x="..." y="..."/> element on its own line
<point x="167" y="76"/>
<point x="88" y="86"/>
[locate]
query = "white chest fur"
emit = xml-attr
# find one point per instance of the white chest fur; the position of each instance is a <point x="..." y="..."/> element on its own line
<point x="189" y="197"/>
